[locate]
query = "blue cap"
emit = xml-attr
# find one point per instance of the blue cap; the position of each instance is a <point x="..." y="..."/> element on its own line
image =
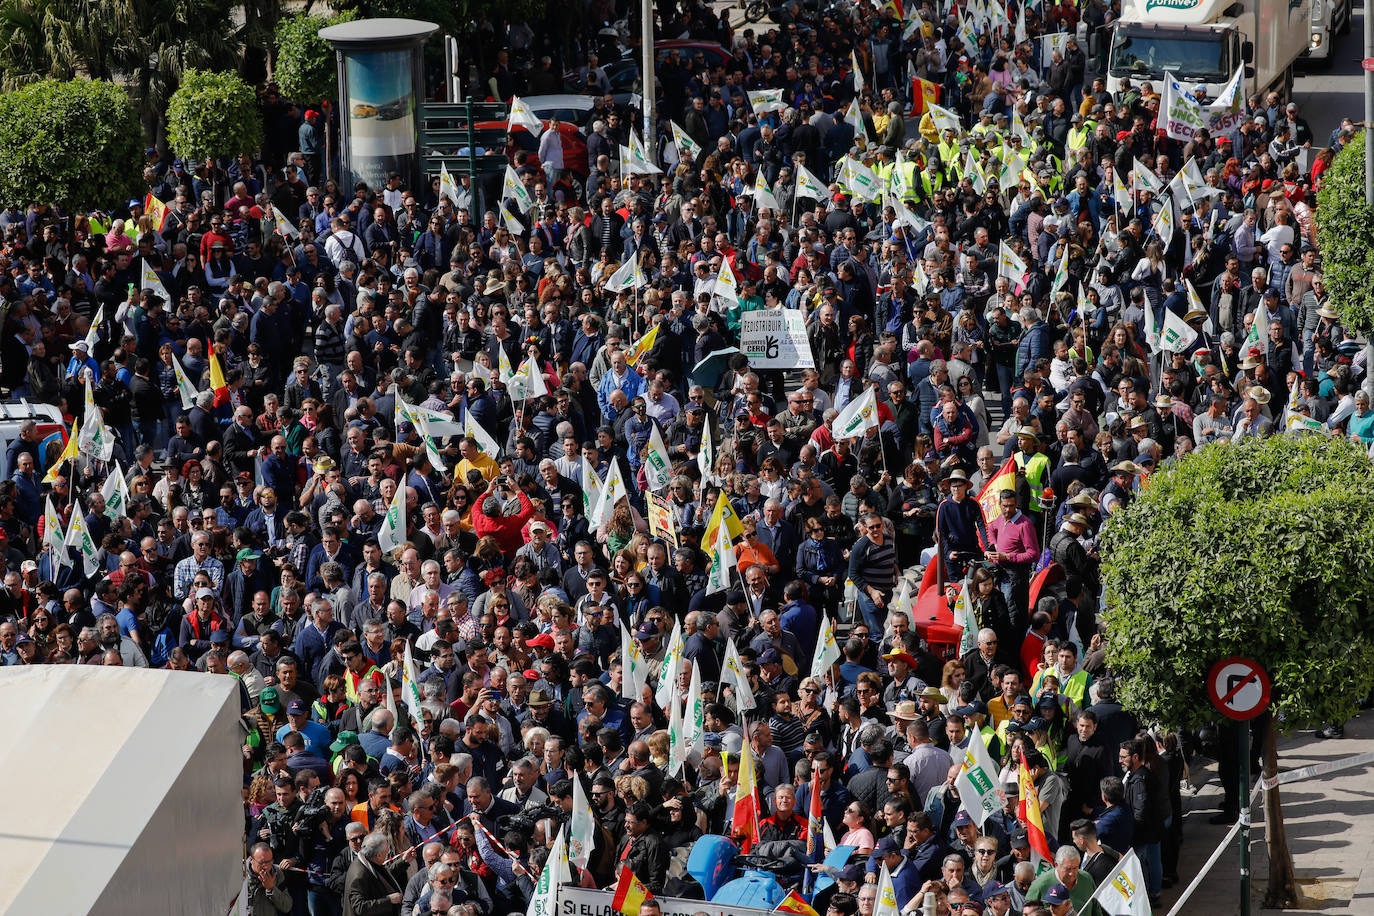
<point x="886" y="845"/>
<point x="770" y="656"/>
<point x="977" y="706"/>
<point x="994" y="889"/>
<point x="1056" y="895"/>
<point x="1024" y="700"/>
<point x="962" y="819"/>
<point x="712" y="739"/>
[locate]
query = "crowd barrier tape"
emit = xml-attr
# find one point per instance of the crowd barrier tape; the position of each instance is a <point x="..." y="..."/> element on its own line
<point x="1316" y="769"/>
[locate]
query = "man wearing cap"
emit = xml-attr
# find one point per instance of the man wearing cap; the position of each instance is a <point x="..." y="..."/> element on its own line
<point x="1065" y="882"/>
<point x="904" y="871"/>
<point x="959" y="524"/>
<point x="1119" y="493"/>
<point x="204" y="619"/>
<point x="317" y="737"/>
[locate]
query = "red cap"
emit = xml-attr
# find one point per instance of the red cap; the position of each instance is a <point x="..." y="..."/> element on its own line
<point x="542" y="641"/>
<point x="311" y="113"/>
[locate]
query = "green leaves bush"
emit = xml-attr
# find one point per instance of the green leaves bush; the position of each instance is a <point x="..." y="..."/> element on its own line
<point x="74" y="143"/>
<point x="306" y="69"/>
<point x="1261" y="550"/>
<point x="1345" y="235"/>
<point x="213" y="114"/>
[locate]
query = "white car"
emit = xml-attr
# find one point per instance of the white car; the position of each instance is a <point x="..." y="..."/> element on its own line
<point x="574" y="108"/>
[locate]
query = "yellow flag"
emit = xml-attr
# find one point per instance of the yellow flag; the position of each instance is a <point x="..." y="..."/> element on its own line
<point x="69" y="453"/>
<point x="724" y="512"/>
<point x="642" y="346"/>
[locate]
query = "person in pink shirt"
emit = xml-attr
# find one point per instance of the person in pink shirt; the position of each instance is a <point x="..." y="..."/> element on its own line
<point x="1014" y="547"/>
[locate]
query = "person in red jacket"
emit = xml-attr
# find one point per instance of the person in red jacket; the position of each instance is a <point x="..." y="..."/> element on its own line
<point x="505" y="528"/>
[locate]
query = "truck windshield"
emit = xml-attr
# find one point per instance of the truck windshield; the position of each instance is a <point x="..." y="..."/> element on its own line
<point x="1191" y="60"/>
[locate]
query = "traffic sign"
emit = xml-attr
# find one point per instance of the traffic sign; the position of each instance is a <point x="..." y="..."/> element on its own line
<point x="1238" y="687"/>
<point x="1367" y="63"/>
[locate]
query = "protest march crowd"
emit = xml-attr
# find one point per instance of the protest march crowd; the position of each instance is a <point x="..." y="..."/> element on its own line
<point x="536" y="563"/>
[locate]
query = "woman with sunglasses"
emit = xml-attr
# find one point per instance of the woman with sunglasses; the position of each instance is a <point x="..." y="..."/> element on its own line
<point x="820" y="565"/>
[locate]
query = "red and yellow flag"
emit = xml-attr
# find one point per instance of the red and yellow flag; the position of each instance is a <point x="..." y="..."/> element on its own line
<point x="630" y="892"/>
<point x="893" y="8"/>
<point x="156" y="209"/>
<point x="1004" y="479"/>
<point x="793" y="903"/>
<point x="924" y="93"/>
<point x="217" y="383"/>
<point x="745" y="825"/>
<point x="815" y="831"/>
<point x="723" y="514"/>
<point x="1028" y="811"/>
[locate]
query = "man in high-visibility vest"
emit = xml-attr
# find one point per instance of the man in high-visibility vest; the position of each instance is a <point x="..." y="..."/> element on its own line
<point x="1077" y="137"/>
<point x="1033" y="464"/>
<point x="358" y="669"/>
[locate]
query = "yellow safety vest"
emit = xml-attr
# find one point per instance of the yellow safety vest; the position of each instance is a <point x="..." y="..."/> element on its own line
<point x="1037" y="470"/>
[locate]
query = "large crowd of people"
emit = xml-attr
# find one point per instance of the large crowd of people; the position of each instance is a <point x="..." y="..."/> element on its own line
<point x="256" y="401"/>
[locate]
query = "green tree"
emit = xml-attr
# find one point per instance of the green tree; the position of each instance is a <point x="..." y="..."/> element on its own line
<point x="306" y="69"/>
<point x="1256" y="550"/>
<point x="1345" y="234"/>
<point x="213" y="114"/>
<point x="76" y="144"/>
<point x="146" y="45"/>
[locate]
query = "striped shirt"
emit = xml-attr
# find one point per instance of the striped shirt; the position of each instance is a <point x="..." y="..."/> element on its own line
<point x="874" y="565"/>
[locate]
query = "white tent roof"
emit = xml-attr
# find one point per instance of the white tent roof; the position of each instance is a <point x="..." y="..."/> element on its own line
<point x="124" y="791"/>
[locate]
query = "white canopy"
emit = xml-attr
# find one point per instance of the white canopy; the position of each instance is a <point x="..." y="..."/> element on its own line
<point x="123" y="791"/>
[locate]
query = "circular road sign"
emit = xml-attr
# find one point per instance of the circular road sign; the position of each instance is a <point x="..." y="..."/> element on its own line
<point x="1238" y="687"/>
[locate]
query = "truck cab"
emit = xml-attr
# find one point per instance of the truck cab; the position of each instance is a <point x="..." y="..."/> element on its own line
<point x="1202" y="42"/>
<point x="1328" y="18"/>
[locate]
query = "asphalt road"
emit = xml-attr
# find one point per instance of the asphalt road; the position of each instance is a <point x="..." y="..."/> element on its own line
<point x="1325" y="96"/>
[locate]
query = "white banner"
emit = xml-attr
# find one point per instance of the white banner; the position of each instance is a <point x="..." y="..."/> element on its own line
<point x="579" y="901"/>
<point x="776" y="339"/>
<point x="1182" y="116"/>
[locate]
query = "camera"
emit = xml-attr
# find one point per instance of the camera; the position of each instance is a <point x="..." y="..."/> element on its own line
<point x="312" y="813"/>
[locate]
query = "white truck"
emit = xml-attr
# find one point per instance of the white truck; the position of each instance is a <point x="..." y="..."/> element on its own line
<point x="1202" y="42"/>
<point x="1329" y="19"/>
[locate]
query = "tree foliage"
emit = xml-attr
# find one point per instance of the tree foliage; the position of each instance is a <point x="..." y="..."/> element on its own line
<point x="1345" y="234"/>
<point x="1260" y="550"/>
<point x="306" y="69"/>
<point x="74" y="143"/>
<point x="146" y="45"/>
<point x="213" y="114"/>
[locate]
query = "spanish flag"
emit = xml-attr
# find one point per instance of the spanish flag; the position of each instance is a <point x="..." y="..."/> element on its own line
<point x="69" y="453"/>
<point x="1004" y="479"/>
<point x="745" y="823"/>
<point x="642" y="346"/>
<point x="630" y="892"/>
<point x="793" y="903"/>
<point x="923" y="94"/>
<point x="217" y="383"/>
<point x="1028" y="812"/>
<point x="156" y="209"/>
<point x="891" y="8"/>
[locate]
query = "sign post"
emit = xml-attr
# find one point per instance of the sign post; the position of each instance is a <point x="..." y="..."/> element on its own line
<point x="1239" y="689"/>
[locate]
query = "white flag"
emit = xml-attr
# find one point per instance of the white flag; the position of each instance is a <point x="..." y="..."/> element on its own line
<point x="613" y="491"/>
<point x="808" y="185"/>
<point x="1146" y="179"/>
<point x="722" y="561"/>
<point x="763" y="197"/>
<point x="1122" y="892"/>
<point x="1010" y="265"/>
<point x="92" y="335"/>
<point x="765" y="100"/>
<point x="687" y="148"/>
<point x="632" y="162"/>
<point x="727" y="287"/>
<point x="581" y="827"/>
<point x="977" y="780"/>
<point x="544" y="900"/>
<point x="80" y="538"/>
<point x="116" y="493"/>
<point x="522" y="116"/>
<point x="634" y="666"/>
<point x="623" y="278"/>
<point x="706" y="458"/>
<point x="535" y="384"/>
<point x="732" y="672"/>
<point x="591" y="487"/>
<point x="827" y="650"/>
<point x="1164" y="221"/>
<point x="678" y="749"/>
<point x="1176" y="334"/>
<point x="671" y="665"/>
<point x="185" y="388"/>
<point x="694" y="720"/>
<point x="53" y="534"/>
<point x="1122" y="195"/>
<point x="94" y="439"/>
<point x="658" y="469"/>
<point x="886" y="904"/>
<point x="515" y="189"/>
<point x="944" y="118"/>
<point x="858" y="73"/>
<point x="410" y="690"/>
<point x="150" y="279"/>
<point x="513" y="225"/>
<point x="858" y="416"/>
<point x="392" y="534"/>
<point x="485" y="443"/>
<point x="447" y="186"/>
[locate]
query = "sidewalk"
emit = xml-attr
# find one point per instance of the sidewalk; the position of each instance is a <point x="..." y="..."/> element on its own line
<point x="1330" y="824"/>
